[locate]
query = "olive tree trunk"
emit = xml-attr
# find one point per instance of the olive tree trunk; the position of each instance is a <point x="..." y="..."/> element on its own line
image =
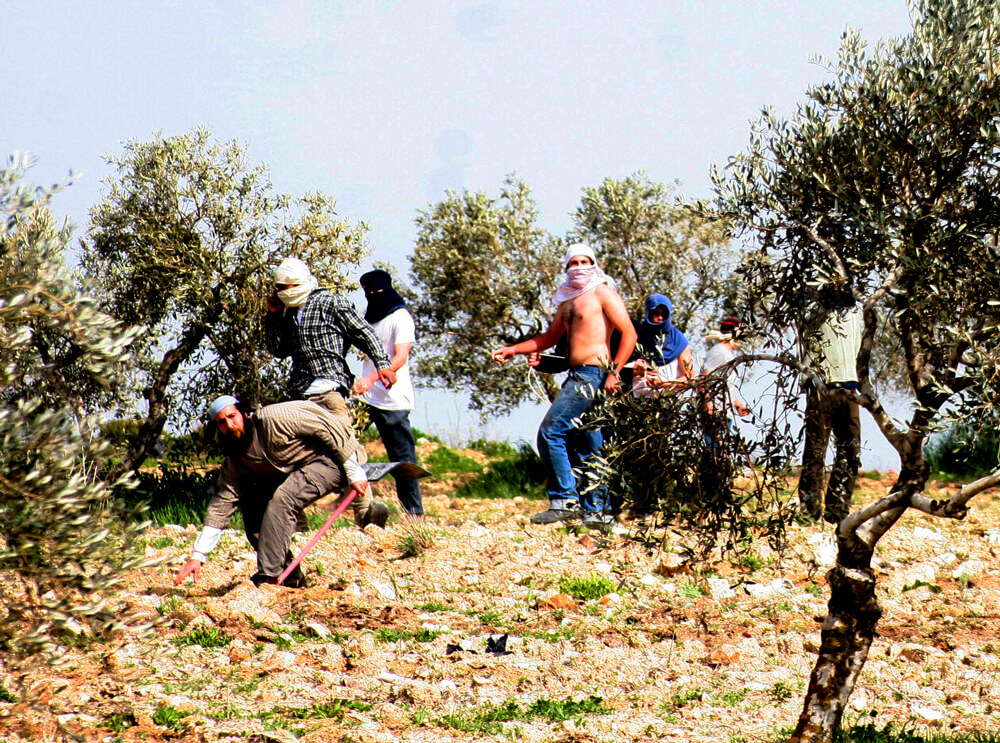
<point x="848" y="632"/>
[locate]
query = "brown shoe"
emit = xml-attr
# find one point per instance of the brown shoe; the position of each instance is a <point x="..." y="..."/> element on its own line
<point x="377" y="513"/>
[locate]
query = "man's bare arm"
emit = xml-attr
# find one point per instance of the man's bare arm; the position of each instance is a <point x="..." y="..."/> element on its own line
<point x="541" y="342"/>
<point x="614" y="310"/>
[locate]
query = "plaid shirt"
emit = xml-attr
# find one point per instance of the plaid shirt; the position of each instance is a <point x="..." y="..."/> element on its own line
<point x="318" y="338"/>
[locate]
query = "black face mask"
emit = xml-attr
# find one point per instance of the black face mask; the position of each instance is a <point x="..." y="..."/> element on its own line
<point x="382" y="304"/>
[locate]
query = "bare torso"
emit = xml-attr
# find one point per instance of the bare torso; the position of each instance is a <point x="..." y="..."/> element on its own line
<point x="588" y="329"/>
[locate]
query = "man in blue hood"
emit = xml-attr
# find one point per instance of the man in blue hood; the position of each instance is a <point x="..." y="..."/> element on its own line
<point x="663" y="352"/>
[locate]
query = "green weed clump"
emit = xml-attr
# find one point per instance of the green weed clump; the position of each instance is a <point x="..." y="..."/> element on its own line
<point x="521" y="474"/>
<point x="387" y="635"/>
<point x="496" y="449"/>
<point x="586" y="589"/>
<point x="415" y="538"/>
<point x="207" y="638"/>
<point x="169" y="717"/>
<point x="488" y="719"/>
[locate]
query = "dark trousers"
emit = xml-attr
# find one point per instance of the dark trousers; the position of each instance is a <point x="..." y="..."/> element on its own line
<point x="394" y="429"/>
<point x="836" y="412"/>
<point x="273" y="509"/>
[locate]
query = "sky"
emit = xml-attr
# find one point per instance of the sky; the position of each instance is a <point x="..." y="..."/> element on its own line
<point x="387" y="104"/>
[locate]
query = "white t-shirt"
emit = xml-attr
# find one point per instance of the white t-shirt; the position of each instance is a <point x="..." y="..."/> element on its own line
<point x="717" y="356"/>
<point x="667" y="372"/>
<point x="395" y="328"/>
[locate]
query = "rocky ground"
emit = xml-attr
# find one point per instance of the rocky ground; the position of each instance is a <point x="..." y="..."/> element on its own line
<point x="381" y="647"/>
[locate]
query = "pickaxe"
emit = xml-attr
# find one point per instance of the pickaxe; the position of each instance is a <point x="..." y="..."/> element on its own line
<point x="375" y="472"/>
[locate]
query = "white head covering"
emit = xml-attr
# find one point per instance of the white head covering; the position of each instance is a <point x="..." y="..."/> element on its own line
<point x="219" y="404"/>
<point x="579" y="249"/>
<point x="303" y="283"/>
<point x="581" y="279"/>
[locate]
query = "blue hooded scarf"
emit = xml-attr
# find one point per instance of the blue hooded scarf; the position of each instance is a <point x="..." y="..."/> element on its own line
<point x="659" y="343"/>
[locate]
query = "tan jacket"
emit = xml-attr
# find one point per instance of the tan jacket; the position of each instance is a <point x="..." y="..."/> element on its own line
<point x="288" y="435"/>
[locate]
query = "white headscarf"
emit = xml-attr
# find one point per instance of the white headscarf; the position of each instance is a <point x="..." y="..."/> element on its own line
<point x="581" y="279"/>
<point x="296" y="273"/>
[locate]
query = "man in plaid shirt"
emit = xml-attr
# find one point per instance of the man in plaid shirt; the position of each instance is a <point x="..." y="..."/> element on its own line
<point x="316" y="328"/>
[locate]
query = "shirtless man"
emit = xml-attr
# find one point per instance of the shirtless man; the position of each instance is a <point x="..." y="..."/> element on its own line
<point x="589" y="309"/>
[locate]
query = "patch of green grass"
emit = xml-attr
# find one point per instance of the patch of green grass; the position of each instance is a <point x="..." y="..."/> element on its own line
<point x="690" y="591"/>
<point x="168" y="716"/>
<point x="869" y="733"/>
<point x="488" y="719"/>
<point x="387" y="634"/>
<point x="498" y="449"/>
<point x="751" y="561"/>
<point x="444" y="460"/>
<point x="519" y="475"/>
<point x="173" y="494"/>
<point x="814" y="589"/>
<point x="415" y="538"/>
<point x="780" y="692"/>
<point x="7" y="697"/>
<point x="169" y="605"/>
<point x="732" y="698"/>
<point x="249" y="686"/>
<point x="870" y="474"/>
<point x="554" y="635"/>
<point x="331" y="710"/>
<point x="431" y="607"/>
<point x="206" y="637"/>
<point x="283" y="641"/>
<point x="334" y="709"/>
<point x="682" y="699"/>
<point x="587" y="589"/>
<point x="491" y="618"/>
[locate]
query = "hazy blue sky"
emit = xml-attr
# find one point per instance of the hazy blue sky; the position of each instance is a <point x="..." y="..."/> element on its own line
<point x="387" y="104"/>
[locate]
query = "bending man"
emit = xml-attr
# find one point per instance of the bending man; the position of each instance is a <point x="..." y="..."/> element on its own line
<point x="278" y="460"/>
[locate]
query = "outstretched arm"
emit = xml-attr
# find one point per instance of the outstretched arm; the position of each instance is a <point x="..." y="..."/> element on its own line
<point x="541" y="342"/>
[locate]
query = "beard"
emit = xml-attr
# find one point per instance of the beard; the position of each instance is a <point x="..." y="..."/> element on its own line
<point x="233" y="446"/>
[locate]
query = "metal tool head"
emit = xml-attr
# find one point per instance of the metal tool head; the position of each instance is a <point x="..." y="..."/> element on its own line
<point x="403" y="470"/>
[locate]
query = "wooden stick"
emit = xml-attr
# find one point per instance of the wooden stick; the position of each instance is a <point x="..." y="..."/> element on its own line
<point x="318" y="535"/>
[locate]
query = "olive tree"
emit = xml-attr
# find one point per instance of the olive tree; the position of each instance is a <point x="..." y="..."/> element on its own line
<point x="183" y="245"/>
<point x="885" y="179"/>
<point x="484" y="275"/>
<point x="58" y="553"/>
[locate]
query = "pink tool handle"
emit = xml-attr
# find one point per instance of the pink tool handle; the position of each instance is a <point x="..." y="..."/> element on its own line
<point x="318" y="535"/>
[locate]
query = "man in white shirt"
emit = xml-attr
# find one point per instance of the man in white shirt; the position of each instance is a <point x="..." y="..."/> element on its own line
<point x="834" y="351"/>
<point x="389" y="408"/>
<point x="726" y="349"/>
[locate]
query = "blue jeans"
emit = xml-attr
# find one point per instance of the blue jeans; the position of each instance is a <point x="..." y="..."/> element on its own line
<point x="563" y="445"/>
<point x="394" y="428"/>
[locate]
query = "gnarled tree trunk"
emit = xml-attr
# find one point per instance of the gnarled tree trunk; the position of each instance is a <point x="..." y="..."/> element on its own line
<point x="847" y="636"/>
